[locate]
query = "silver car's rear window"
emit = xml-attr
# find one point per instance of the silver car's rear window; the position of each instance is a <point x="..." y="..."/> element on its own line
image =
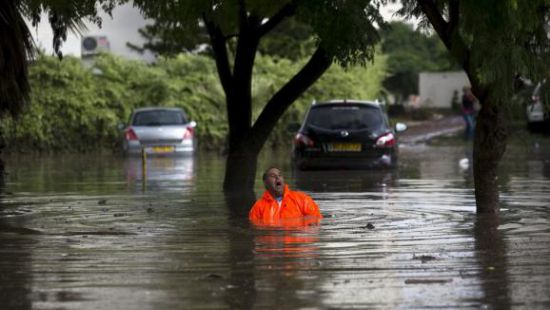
<point x="346" y="117"/>
<point x="158" y="118"/>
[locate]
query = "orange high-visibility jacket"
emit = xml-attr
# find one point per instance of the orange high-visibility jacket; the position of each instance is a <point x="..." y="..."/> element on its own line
<point x="293" y="205"/>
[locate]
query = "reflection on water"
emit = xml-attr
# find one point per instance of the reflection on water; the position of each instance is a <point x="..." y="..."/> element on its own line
<point x="345" y="180"/>
<point x="160" y="173"/>
<point x="286" y="237"/>
<point x="90" y="232"/>
<point x="491" y="255"/>
<point x="160" y="168"/>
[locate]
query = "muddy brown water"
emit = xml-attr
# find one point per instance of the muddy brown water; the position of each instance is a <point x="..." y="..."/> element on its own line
<point x="87" y="232"/>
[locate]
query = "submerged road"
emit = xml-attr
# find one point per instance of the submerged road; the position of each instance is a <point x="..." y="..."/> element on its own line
<point x="88" y="232"/>
<point x="422" y="131"/>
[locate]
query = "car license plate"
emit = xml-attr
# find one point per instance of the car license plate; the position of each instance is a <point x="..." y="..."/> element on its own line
<point x="344" y="147"/>
<point x="162" y="149"/>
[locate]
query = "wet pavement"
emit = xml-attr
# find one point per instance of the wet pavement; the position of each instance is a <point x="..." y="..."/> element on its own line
<point x="88" y="232"/>
<point x="439" y="125"/>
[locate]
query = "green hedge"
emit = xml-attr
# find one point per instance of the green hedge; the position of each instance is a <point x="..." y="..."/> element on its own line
<point x="76" y="109"/>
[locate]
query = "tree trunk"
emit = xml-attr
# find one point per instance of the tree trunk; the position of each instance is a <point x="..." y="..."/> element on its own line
<point x="245" y="142"/>
<point x="489" y="146"/>
<point x="240" y="171"/>
<point x="2" y="168"/>
<point x="238" y="204"/>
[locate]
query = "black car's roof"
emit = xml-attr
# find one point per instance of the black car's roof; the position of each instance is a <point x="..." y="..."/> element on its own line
<point x="343" y="102"/>
<point x="157" y="109"/>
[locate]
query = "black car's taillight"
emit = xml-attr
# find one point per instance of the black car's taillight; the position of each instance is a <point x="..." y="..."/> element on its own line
<point x="303" y="140"/>
<point x="386" y="140"/>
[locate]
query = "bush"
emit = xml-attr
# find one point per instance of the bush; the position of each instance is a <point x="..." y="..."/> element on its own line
<point x="76" y="109"/>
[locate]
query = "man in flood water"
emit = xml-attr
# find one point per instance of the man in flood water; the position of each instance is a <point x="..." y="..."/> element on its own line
<point x="279" y="202"/>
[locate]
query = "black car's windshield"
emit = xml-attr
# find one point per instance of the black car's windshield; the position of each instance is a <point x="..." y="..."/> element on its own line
<point x="159" y="118"/>
<point x="346" y="117"/>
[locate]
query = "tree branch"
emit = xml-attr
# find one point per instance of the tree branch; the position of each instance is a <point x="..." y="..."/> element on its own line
<point x="448" y="33"/>
<point x="243" y="17"/>
<point x="454" y="14"/>
<point x="277" y="105"/>
<point x="217" y="41"/>
<point x="436" y="19"/>
<point x="286" y="11"/>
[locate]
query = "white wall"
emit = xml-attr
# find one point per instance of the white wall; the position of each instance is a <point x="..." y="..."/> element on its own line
<point x="436" y="88"/>
<point x="121" y="28"/>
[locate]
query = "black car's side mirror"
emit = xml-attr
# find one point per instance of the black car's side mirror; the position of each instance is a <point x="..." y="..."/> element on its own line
<point x="400" y="127"/>
<point x="293" y="127"/>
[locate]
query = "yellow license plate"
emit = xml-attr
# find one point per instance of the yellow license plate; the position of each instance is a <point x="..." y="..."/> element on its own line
<point x="162" y="149"/>
<point x="344" y="147"/>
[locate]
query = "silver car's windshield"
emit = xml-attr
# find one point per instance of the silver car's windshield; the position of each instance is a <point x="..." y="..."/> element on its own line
<point x="158" y="118"/>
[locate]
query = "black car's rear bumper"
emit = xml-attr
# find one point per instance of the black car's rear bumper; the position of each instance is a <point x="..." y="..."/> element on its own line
<point x="303" y="161"/>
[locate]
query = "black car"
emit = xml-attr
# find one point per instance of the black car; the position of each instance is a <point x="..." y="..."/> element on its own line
<point x="345" y="134"/>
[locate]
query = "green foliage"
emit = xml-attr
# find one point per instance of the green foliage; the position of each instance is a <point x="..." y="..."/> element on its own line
<point x="346" y="29"/>
<point x="290" y="39"/>
<point x="168" y="38"/>
<point x="65" y="111"/>
<point x="410" y="50"/>
<point x="74" y="108"/>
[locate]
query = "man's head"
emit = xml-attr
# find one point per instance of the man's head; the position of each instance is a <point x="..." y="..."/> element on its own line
<point x="274" y="182"/>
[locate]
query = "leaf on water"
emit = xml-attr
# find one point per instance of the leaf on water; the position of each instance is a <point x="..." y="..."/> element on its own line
<point x="424" y="258"/>
<point x="427" y="281"/>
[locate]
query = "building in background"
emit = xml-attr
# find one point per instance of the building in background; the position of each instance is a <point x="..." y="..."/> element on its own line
<point x="113" y="35"/>
<point x="436" y="89"/>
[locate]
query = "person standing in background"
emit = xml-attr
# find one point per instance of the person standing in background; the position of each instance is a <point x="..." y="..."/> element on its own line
<point x="468" y="112"/>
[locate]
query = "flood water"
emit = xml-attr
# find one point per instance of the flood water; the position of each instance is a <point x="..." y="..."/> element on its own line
<point x="88" y="232"/>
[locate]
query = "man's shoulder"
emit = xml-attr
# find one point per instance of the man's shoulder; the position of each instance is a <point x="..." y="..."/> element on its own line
<point x="299" y="194"/>
<point x="263" y="200"/>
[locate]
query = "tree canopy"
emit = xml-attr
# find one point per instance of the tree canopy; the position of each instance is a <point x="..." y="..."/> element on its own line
<point x="290" y="39"/>
<point x="410" y="50"/>
<point x="332" y="22"/>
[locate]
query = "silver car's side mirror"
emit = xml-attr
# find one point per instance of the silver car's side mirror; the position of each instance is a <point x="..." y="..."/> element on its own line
<point x="120" y="126"/>
<point x="192" y="124"/>
<point x="400" y="127"/>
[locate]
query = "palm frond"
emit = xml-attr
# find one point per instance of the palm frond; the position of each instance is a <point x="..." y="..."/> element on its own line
<point x="16" y="49"/>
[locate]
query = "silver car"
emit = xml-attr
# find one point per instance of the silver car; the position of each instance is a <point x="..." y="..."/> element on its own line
<point x="538" y="118"/>
<point x="160" y="131"/>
